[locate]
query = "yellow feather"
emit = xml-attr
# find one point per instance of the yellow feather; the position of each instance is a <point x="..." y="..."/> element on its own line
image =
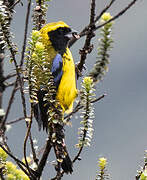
<point x="67" y="91"/>
<point x="53" y="26"/>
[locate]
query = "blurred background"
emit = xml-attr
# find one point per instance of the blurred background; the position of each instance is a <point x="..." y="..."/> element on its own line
<point x="121" y="117"/>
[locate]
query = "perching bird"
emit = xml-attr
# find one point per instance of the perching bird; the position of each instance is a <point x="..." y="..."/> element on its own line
<point x="55" y="37"/>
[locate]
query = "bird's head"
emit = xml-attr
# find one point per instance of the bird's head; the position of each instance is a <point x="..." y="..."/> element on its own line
<point x="59" y="34"/>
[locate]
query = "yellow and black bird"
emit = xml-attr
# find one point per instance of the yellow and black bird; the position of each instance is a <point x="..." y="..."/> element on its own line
<point x="55" y="37"/>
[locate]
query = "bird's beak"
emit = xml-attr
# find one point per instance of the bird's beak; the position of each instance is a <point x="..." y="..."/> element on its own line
<point x="72" y="34"/>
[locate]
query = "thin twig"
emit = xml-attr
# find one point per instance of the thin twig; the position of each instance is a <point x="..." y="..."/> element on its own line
<point x="33" y="150"/>
<point x="87" y="46"/>
<point x="15" y="121"/>
<point x="31" y="141"/>
<point x="41" y="150"/>
<point x="9" y="105"/>
<point x="24" y="149"/>
<point x="118" y="15"/>
<point x="104" y="10"/>
<point x="40" y="15"/>
<point x="80" y="150"/>
<point x="58" y="177"/>
<point x="92" y="14"/>
<point x="79" y="106"/>
<point x="11" y="75"/>
<point x="28" y="134"/>
<point x="37" y="154"/>
<point x="10" y="84"/>
<point x="44" y="158"/>
<point x="1" y="173"/>
<point x="80" y="65"/>
<point x="99" y="98"/>
<point x="16" y="2"/>
<point x="4" y="140"/>
<point x="25" y="32"/>
<point x="19" y="163"/>
<point x="21" y="63"/>
<point x="13" y="53"/>
<point x="76" y="109"/>
<point x="2" y="85"/>
<point x="85" y="30"/>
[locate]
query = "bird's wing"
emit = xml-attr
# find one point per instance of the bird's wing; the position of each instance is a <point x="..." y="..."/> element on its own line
<point x="40" y="109"/>
<point x="56" y="69"/>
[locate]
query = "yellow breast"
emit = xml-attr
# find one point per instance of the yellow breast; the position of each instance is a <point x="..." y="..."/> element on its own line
<point x="67" y="91"/>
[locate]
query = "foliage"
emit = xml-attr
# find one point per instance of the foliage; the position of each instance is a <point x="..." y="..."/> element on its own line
<point x="39" y="14"/>
<point x="105" y="45"/>
<point x="40" y="76"/>
<point x="101" y="175"/>
<point x="142" y="174"/>
<point x="10" y="170"/>
<point x="4" y="24"/>
<point x="86" y="96"/>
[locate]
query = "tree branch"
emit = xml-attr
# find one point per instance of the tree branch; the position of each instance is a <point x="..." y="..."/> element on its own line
<point x="16" y="2"/>
<point x="33" y="150"/>
<point x="104" y="10"/>
<point x="19" y="163"/>
<point x="1" y="173"/>
<point x="25" y="32"/>
<point x="44" y="158"/>
<point x="85" y="30"/>
<point x="9" y="76"/>
<point x="24" y="148"/>
<point x="79" y="106"/>
<point x="13" y="53"/>
<point x="9" y="105"/>
<point x="117" y="15"/>
<point x="15" y="121"/>
<point x="87" y="46"/>
<point x="31" y="141"/>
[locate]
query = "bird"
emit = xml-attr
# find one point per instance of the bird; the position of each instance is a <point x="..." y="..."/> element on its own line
<point x="55" y="37"/>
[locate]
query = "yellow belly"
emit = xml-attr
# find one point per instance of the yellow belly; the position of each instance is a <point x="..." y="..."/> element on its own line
<point x="67" y="91"/>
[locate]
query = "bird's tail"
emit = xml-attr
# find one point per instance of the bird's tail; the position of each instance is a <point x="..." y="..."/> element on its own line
<point x="40" y="113"/>
<point x="40" y="110"/>
<point x="67" y="164"/>
<point x="60" y="149"/>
